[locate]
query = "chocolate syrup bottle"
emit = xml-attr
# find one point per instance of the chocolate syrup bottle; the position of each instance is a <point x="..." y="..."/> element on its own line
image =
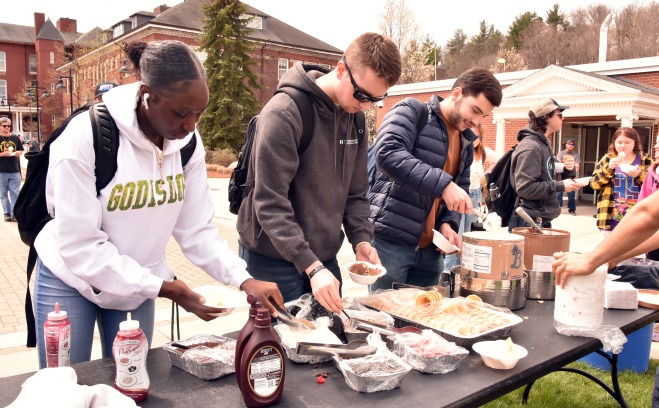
<point x="246" y="332"/>
<point x="262" y="366"/>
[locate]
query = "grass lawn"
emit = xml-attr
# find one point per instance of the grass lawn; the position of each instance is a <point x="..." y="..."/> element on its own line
<point x="561" y="389"/>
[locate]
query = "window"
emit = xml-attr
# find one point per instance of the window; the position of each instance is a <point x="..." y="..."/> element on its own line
<point x="52" y="121"/>
<point x="3" y="61"/>
<point x="33" y="64"/>
<point x="118" y="30"/>
<point x="3" y="90"/>
<point x="52" y="89"/>
<point x="283" y="67"/>
<point x="52" y="57"/>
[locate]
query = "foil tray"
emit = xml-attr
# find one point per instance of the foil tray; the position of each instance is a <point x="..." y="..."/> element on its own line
<point x="205" y="363"/>
<point x="462" y="341"/>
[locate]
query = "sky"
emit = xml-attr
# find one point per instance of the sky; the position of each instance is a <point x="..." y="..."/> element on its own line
<point x="335" y="22"/>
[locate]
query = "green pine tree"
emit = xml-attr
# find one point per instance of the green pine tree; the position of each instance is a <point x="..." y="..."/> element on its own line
<point x="231" y="79"/>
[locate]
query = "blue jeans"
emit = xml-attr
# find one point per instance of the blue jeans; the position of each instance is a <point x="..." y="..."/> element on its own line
<point x="515" y="221"/>
<point x="571" y="200"/>
<point x="407" y="264"/>
<point x="10" y="185"/>
<point x="465" y="226"/>
<point x="292" y="284"/>
<point x="82" y="313"/>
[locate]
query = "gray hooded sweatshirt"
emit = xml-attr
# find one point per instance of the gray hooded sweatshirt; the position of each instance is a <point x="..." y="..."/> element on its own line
<point x="299" y="204"/>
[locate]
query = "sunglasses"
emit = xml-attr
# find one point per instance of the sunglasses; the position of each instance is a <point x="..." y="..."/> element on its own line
<point x="359" y="95"/>
<point x="560" y="115"/>
<point x="5" y="126"/>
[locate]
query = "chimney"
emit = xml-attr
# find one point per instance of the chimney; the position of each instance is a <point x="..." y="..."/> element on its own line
<point x="604" y="37"/>
<point x="39" y="20"/>
<point x="160" y="9"/>
<point x="67" y="25"/>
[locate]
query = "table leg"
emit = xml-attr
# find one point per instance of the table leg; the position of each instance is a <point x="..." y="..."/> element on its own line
<point x="615" y="393"/>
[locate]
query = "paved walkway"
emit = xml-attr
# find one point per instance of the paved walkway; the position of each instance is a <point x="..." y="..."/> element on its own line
<point x="15" y="358"/>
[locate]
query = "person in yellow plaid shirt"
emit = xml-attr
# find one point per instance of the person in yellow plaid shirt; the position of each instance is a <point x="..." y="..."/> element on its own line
<point x="618" y="178"/>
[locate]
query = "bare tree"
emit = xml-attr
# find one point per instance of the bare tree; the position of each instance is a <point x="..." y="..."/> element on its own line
<point x="510" y="59"/>
<point x="398" y="22"/>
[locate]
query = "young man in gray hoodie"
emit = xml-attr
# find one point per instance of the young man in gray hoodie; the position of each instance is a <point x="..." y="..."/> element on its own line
<point x="533" y="170"/>
<point x="291" y="223"/>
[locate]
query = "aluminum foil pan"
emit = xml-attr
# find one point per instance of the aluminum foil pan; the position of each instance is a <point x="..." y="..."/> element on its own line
<point x="202" y="361"/>
<point x="510" y="293"/>
<point x="540" y="285"/>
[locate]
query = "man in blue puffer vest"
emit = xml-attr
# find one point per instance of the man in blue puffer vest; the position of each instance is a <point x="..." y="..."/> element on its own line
<point x="422" y="178"/>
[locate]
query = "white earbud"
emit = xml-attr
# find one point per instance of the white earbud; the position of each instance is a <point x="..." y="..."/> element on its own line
<point x="145" y="101"/>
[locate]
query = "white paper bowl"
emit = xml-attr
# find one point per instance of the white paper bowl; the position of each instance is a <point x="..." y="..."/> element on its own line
<point x="221" y="296"/>
<point x="443" y="243"/>
<point x="364" y="279"/>
<point x="493" y="358"/>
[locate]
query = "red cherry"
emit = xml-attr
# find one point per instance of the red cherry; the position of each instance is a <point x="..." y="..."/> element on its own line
<point x="321" y="380"/>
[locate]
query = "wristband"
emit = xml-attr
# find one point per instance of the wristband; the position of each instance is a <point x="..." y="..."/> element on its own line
<point x="315" y="270"/>
<point x="361" y="244"/>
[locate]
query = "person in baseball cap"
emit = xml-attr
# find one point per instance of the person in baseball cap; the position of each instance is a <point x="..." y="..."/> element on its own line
<point x="544" y="106"/>
<point x="102" y="88"/>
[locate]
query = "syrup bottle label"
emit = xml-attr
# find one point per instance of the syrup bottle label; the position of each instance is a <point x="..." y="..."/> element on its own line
<point x="130" y="357"/>
<point x="265" y="371"/>
<point x="58" y="345"/>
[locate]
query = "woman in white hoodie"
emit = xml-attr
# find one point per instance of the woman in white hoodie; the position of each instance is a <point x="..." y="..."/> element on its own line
<point x="103" y="255"/>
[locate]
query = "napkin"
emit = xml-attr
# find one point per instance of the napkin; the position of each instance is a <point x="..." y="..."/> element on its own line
<point x="58" y="388"/>
<point x="620" y="295"/>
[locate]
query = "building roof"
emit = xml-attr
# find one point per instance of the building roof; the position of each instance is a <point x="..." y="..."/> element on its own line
<point x="16" y="33"/>
<point x="93" y="38"/>
<point x="190" y="15"/>
<point x="49" y="32"/>
<point x="620" y="81"/>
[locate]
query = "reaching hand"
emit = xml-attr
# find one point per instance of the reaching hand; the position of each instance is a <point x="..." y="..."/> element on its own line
<point x="571" y="185"/>
<point x="189" y="300"/>
<point x="266" y="292"/>
<point x="367" y="253"/>
<point x="457" y="199"/>
<point x="568" y="264"/>
<point x="615" y="162"/>
<point x="325" y="288"/>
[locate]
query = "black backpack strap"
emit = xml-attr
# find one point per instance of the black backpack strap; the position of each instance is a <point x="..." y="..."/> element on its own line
<point x="304" y="104"/>
<point x="360" y="123"/>
<point x="29" y="311"/>
<point x="106" y="144"/>
<point x="188" y="149"/>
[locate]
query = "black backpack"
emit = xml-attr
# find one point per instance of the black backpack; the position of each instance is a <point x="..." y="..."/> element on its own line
<point x="30" y="209"/>
<point x="421" y="110"/>
<point x="239" y="186"/>
<point x="500" y="195"/>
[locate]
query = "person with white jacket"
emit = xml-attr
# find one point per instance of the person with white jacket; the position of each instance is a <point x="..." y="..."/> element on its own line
<point x="104" y="255"/>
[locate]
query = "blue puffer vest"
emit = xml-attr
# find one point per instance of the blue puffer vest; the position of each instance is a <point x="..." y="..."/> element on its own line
<point x="409" y="173"/>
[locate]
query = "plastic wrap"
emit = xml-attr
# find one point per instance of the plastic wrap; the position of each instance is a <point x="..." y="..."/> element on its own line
<point x="207" y="363"/>
<point x="428" y="352"/>
<point x="381" y="371"/>
<point x="289" y="339"/>
<point x="612" y="338"/>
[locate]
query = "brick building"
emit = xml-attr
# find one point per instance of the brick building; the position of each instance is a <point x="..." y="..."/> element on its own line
<point x="602" y="97"/>
<point x="45" y="54"/>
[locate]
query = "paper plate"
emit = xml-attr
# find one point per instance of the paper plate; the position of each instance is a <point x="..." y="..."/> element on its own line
<point x="648" y="298"/>
<point x="583" y="181"/>
<point x="221" y="296"/>
<point x="626" y="168"/>
<point x="443" y="243"/>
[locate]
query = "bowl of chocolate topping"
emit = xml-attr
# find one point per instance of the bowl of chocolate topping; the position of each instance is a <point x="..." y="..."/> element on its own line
<point x="364" y="273"/>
